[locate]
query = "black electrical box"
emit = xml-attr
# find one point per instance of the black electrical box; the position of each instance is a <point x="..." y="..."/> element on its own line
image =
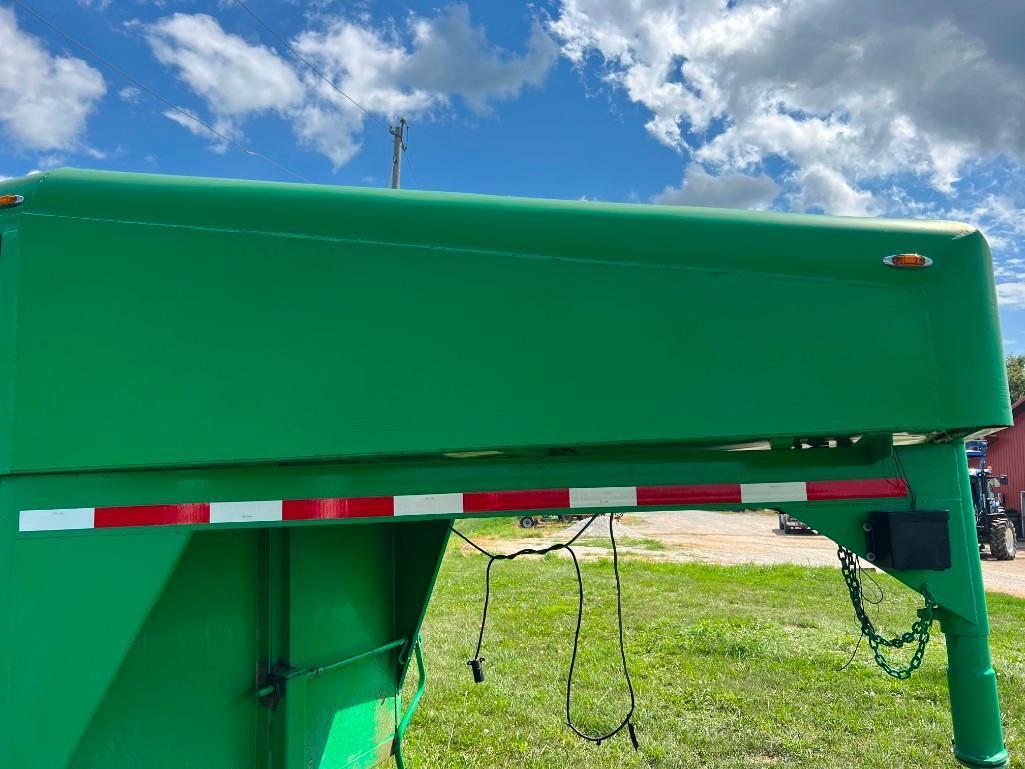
<point x="909" y="539"/>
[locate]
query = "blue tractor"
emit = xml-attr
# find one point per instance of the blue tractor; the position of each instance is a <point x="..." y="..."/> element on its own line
<point x="998" y="527"/>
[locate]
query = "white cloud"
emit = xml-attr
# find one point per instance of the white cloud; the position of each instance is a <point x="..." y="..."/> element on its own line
<point x="51" y="161"/>
<point x="364" y="64"/>
<point x="233" y="76"/>
<point x="129" y="94"/>
<point x="388" y="70"/>
<point x="27" y="173"/>
<point x="447" y="56"/>
<point x="1011" y="294"/>
<point x="189" y="123"/>
<point x="333" y="130"/>
<point x="700" y="188"/>
<point x="823" y="188"/>
<point x="45" y="100"/>
<point x="452" y="56"/>
<point x="845" y="95"/>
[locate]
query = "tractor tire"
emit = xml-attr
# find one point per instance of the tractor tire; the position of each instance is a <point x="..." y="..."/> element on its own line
<point x="1003" y="539"/>
<point x="527" y="522"/>
<point x="1016" y="521"/>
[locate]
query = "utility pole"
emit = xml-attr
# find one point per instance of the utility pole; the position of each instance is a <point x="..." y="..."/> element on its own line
<point x="398" y="147"/>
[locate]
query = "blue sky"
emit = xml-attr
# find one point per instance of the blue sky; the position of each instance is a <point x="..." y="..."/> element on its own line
<point x="910" y="109"/>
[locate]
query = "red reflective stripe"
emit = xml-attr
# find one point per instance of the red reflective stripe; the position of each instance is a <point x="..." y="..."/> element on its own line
<point x="498" y="501"/>
<point x="495" y="502"/>
<point x="354" y="507"/>
<point x="867" y="488"/>
<point x="151" y="515"/>
<point x="685" y="495"/>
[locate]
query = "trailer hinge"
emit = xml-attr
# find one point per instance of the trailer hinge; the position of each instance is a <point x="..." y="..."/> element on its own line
<point x="271" y="688"/>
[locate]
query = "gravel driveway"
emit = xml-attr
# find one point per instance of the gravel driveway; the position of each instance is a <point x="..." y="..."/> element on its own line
<point x="720" y="537"/>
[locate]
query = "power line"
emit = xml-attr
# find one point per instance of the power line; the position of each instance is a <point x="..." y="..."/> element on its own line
<point x="406" y="170"/>
<point x="155" y="95"/>
<point x="309" y="64"/>
<point x="397" y="132"/>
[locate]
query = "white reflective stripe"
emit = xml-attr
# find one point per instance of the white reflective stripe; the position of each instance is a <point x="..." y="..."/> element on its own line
<point x="428" y="504"/>
<point x="774" y="492"/>
<point x="604" y="496"/>
<point x="60" y="519"/>
<point x="245" y="512"/>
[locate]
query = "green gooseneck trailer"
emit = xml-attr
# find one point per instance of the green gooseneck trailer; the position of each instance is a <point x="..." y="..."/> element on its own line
<point x="237" y="420"/>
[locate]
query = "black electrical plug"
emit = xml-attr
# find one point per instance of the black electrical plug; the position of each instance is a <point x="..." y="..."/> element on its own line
<point x="477" y="666"/>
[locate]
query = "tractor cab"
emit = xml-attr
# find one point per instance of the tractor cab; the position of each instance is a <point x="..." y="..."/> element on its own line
<point x="998" y="527"/>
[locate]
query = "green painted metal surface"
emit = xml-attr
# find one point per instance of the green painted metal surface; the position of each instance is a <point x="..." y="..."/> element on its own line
<point x="181" y="341"/>
<point x="166" y="321"/>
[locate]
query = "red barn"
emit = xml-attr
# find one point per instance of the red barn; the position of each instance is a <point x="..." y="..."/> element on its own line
<point x="1006" y="455"/>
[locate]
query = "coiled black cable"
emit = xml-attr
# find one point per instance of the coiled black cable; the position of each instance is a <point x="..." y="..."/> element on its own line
<point x="477" y="663"/>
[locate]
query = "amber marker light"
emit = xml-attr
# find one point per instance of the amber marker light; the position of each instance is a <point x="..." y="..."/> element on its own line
<point x="907" y="261"/>
<point x="9" y="201"/>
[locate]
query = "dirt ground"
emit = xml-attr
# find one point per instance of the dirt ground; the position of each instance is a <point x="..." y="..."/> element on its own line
<point x="718" y="537"/>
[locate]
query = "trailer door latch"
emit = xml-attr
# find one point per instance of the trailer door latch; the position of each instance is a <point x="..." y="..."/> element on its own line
<point x="271" y="689"/>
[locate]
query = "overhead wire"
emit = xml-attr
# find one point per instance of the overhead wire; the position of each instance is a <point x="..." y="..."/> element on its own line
<point x="162" y="99"/>
<point x="308" y="63"/>
<point x="320" y="74"/>
<point x="407" y="171"/>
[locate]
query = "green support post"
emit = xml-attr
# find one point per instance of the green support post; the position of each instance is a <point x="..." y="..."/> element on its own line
<point x="974" y="704"/>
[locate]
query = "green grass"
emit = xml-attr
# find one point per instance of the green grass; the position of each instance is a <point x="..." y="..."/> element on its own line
<point x="505" y="528"/>
<point x="733" y="667"/>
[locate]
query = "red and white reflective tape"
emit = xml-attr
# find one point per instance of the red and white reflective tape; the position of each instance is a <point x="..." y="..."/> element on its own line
<point x="464" y="503"/>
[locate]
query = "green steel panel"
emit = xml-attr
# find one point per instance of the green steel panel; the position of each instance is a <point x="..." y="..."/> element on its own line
<point x="76" y="606"/>
<point x="181" y="321"/>
<point x="182" y="698"/>
<point x="341" y="604"/>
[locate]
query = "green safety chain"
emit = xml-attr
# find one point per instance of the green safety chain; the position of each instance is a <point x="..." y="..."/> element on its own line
<point x="919" y="633"/>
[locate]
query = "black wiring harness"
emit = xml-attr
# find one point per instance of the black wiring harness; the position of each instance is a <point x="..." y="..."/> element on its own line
<point x="477" y="663"/>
